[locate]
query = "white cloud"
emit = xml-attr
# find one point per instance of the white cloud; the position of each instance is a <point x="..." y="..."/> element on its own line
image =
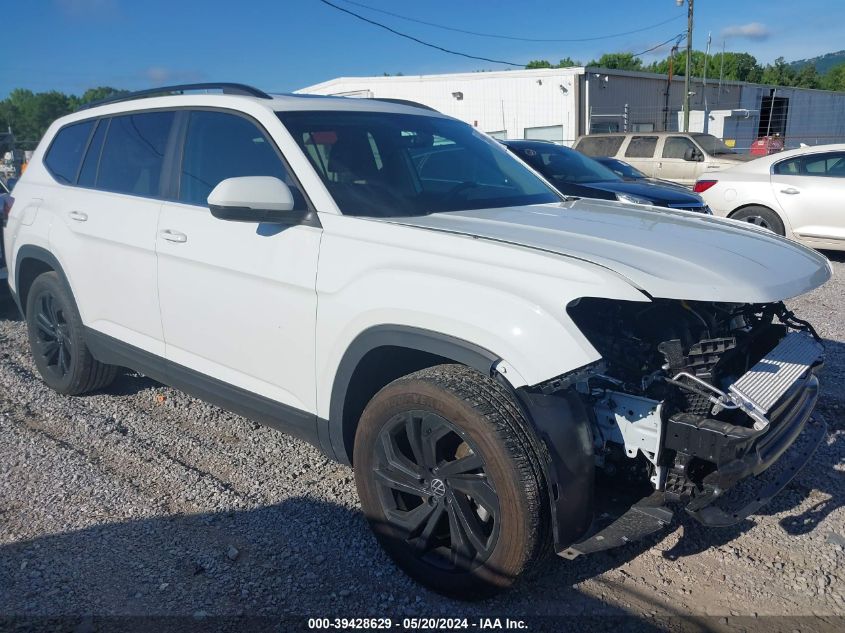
<point x="750" y="31"/>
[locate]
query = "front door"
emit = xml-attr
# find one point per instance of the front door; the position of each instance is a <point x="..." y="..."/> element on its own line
<point x="238" y="299"/>
<point x="672" y="164"/>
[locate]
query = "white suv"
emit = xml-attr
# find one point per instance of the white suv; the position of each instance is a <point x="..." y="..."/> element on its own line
<point x="389" y="284"/>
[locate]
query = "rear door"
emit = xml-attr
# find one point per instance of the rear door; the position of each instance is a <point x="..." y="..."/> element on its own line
<point x="811" y="191"/>
<point x="238" y="299"/>
<point x="106" y="218"/>
<point x="640" y="152"/>
<point x="672" y="165"/>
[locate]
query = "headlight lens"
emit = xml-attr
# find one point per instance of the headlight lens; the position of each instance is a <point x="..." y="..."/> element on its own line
<point x="626" y="197"/>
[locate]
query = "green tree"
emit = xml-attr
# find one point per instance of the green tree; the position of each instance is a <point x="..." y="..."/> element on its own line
<point x="779" y="74"/>
<point x="618" y="61"/>
<point x="567" y="62"/>
<point x="808" y="77"/>
<point x="834" y="79"/>
<point x="538" y="63"/>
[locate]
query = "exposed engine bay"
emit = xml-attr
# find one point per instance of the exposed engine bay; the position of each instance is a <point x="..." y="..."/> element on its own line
<point x="686" y="391"/>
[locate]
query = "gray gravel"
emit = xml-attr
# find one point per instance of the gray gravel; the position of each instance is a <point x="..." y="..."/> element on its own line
<point x="143" y="500"/>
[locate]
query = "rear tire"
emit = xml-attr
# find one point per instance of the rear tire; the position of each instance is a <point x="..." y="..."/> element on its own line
<point x="450" y="481"/>
<point x="57" y="341"/>
<point x="761" y="216"/>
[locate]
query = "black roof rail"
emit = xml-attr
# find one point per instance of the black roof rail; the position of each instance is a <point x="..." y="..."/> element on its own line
<point x="226" y="88"/>
<point x="405" y="102"/>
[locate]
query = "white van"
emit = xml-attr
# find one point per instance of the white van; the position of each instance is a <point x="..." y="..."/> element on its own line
<point x="675" y="156"/>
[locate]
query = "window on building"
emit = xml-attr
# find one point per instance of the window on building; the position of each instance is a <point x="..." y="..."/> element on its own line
<point x="65" y="153"/>
<point x="499" y="134"/>
<point x="604" y="127"/>
<point x="133" y="153"/>
<point x="218" y="146"/>
<point x="676" y="147"/>
<point x="545" y="133"/>
<point x="600" y="145"/>
<point x="641" y="147"/>
<point x="642" y="127"/>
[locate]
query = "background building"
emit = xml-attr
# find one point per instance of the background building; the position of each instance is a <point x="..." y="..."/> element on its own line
<point x="559" y="104"/>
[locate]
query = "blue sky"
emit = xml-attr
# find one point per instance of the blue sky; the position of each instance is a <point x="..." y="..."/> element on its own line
<point x="282" y="45"/>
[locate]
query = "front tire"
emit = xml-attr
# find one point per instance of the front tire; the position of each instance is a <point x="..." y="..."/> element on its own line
<point x="450" y="481"/>
<point x="57" y="342"/>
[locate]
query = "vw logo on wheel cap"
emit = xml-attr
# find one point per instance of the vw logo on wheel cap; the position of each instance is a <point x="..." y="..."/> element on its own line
<point x="438" y="487"/>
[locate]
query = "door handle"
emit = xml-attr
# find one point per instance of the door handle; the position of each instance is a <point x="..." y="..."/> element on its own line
<point x="173" y="236"/>
<point x="790" y="191"/>
<point x="79" y="216"/>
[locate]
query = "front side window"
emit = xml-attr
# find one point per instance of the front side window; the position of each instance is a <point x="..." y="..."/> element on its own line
<point x="641" y="147"/>
<point x="677" y="146"/>
<point x="133" y="153"/>
<point x="382" y="164"/>
<point x="65" y="153"/>
<point x="220" y="145"/>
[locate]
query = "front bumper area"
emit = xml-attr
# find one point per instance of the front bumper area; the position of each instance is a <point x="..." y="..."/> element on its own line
<point x="763" y="462"/>
<point x="745" y="468"/>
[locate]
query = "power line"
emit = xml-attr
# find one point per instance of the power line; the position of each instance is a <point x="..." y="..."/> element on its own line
<point x="511" y="37"/>
<point x="679" y="37"/>
<point x="419" y="41"/>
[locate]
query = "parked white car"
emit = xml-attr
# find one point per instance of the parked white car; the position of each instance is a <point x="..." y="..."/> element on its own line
<point x="798" y="193"/>
<point x="393" y="286"/>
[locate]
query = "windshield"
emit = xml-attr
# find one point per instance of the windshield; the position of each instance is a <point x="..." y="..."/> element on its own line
<point x="711" y="145"/>
<point x="562" y="164"/>
<point x="621" y="168"/>
<point x="393" y="165"/>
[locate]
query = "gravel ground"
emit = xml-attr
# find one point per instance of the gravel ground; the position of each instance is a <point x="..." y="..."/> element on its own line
<point x="143" y="501"/>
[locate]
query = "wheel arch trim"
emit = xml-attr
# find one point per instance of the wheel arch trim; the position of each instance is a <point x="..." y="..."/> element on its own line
<point x="37" y="253"/>
<point x="403" y="336"/>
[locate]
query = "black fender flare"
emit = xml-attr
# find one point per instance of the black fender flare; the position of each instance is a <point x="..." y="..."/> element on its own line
<point x="331" y="431"/>
<point x="30" y="251"/>
<point x="560" y="422"/>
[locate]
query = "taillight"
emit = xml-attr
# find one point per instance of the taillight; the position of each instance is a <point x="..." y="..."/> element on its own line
<point x="8" y="201"/>
<point x="703" y="185"/>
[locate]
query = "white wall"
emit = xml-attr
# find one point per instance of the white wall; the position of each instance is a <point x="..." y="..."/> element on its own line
<point x="492" y="101"/>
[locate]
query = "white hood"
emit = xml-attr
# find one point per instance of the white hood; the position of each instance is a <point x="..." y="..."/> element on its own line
<point x="668" y="254"/>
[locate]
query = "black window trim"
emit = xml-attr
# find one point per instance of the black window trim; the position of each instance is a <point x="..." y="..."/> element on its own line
<point x="168" y="184"/>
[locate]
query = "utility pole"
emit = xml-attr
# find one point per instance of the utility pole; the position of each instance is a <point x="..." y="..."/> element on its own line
<point x="680" y="3"/>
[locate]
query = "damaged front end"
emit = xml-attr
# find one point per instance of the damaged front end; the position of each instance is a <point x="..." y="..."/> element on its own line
<point x="704" y="401"/>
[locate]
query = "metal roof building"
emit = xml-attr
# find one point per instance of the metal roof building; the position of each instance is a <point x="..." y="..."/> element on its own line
<point x="559" y="104"/>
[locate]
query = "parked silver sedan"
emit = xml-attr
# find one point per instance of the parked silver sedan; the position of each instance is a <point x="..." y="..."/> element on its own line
<point x="798" y="193"/>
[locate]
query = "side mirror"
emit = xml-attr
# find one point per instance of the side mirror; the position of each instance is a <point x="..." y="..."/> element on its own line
<point x="254" y="199"/>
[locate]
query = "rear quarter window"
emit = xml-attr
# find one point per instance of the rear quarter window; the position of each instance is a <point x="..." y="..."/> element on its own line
<point x="65" y="153"/>
<point x="600" y="145"/>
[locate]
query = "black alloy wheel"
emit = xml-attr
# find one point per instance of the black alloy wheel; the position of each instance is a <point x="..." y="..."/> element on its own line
<point x="434" y="487"/>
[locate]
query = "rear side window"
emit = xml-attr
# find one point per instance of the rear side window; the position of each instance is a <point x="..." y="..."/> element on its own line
<point x="219" y="146"/>
<point x="65" y="153"/>
<point x="641" y="147"/>
<point x="600" y="145"/>
<point x="133" y="153"/>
